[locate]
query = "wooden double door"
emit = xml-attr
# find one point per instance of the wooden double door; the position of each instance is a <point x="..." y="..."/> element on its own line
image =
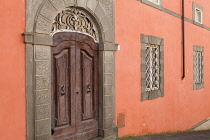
<point x="74" y="89"/>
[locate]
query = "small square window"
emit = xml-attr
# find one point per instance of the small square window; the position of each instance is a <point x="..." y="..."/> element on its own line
<point x="155" y="1"/>
<point x="198" y="15"/>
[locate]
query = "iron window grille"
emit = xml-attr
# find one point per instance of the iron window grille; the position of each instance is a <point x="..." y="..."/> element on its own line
<point x="152" y="67"/>
<point x="198" y="67"/>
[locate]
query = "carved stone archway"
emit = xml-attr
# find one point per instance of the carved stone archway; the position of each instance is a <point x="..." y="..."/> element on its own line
<point x="40" y="26"/>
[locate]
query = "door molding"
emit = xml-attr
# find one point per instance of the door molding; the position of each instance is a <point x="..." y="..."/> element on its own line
<point x="40" y="15"/>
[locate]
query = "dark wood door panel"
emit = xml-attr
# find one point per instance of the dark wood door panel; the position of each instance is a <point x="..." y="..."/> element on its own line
<point x="62" y="107"/>
<point x="74" y="89"/>
<point x="87" y="85"/>
<point x="63" y="101"/>
<point x="87" y="100"/>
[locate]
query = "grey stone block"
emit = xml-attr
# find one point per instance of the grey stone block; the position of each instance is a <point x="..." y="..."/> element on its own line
<point x="144" y="94"/>
<point x="108" y="56"/>
<point x="43" y="127"/>
<point x="108" y="7"/>
<point x="32" y="6"/>
<point x="42" y="67"/>
<point x="108" y="68"/>
<point x="43" y="111"/>
<point x="108" y="90"/>
<point x="91" y="4"/>
<point x="108" y="101"/>
<point x="158" y="41"/>
<point x="28" y="38"/>
<point x="42" y="39"/>
<point x="108" y="47"/>
<point x="108" y="112"/>
<point x="99" y="12"/>
<point x="106" y="24"/>
<point x="59" y="4"/>
<point x="108" y="122"/>
<point x="48" y="11"/>
<point x="162" y="42"/>
<point x="152" y="40"/>
<point x="43" y="25"/>
<point x="42" y="97"/>
<point x="42" y="82"/>
<point x="143" y="82"/>
<point x="69" y="2"/>
<point x="108" y="79"/>
<point x="146" y="39"/>
<point x="44" y="137"/>
<point x="143" y="67"/>
<point x="109" y="35"/>
<point x="109" y="133"/>
<point x="42" y="53"/>
<point x="81" y="3"/>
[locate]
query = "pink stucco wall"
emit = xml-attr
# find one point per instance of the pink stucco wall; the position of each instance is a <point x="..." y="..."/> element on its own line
<point x="12" y="70"/>
<point x="181" y="107"/>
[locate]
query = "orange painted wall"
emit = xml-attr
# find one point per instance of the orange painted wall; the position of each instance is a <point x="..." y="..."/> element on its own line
<point x="181" y="107"/>
<point x="12" y="70"/>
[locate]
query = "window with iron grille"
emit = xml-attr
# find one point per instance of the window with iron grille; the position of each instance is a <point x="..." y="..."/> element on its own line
<point x="198" y="67"/>
<point x="152" y="67"/>
<point x="152" y="54"/>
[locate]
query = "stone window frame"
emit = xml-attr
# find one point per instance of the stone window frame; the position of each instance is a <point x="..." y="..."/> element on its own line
<point x="149" y="95"/>
<point x="196" y="6"/>
<point x="198" y="85"/>
<point x="155" y="5"/>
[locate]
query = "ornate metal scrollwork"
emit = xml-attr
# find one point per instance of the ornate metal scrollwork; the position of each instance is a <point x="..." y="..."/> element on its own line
<point x="72" y="19"/>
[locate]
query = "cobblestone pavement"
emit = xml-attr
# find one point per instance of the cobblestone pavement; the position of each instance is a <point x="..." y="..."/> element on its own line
<point x="199" y="135"/>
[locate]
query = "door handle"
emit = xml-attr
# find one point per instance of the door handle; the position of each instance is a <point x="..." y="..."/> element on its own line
<point x="62" y="92"/>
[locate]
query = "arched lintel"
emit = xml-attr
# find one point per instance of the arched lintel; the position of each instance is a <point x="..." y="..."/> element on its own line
<point x="105" y="27"/>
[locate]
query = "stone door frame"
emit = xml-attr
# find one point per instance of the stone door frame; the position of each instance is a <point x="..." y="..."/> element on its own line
<point x="39" y="18"/>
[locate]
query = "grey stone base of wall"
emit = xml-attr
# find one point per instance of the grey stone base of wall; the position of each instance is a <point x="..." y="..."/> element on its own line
<point x="203" y="125"/>
<point x="109" y="134"/>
